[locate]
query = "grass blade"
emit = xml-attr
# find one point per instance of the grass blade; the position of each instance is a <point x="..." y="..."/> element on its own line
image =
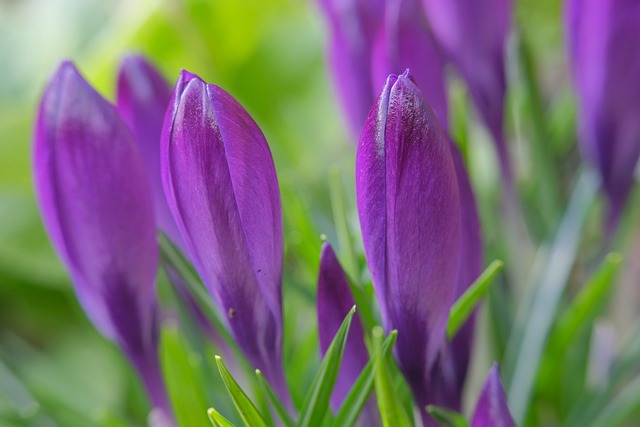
<point x="463" y="307"/>
<point x="316" y="404"/>
<point x="272" y="397"/>
<point x="247" y="410"/>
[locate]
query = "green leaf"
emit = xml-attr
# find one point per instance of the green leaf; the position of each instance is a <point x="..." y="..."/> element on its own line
<point x="217" y="419"/>
<point x="389" y="404"/>
<point x="182" y="377"/>
<point x="247" y="410"/>
<point x="463" y="307"/>
<point x="316" y="405"/>
<point x="272" y="397"/>
<point x="359" y="394"/>
<point x="589" y="302"/>
<point x="621" y="408"/>
<point x="446" y="417"/>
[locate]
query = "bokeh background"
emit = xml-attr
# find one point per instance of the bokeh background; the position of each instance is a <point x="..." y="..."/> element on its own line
<point x="270" y="55"/>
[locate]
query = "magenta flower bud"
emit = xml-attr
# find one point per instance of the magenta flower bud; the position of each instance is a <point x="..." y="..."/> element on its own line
<point x="334" y="301"/>
<point x="353" y="25"/>
<point x="222" y="189"/>
<point x="98" y="211"/>
<point x="409" y="208"/>
<point x="473" y="35"/>
<point x="491" y="409"/>
<point x="143" y="98"/>
<point x="604" y="48"/>
<point x="404" y="40"/>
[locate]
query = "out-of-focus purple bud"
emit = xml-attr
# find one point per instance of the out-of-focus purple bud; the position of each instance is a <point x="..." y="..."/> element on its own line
<point x="353" y="26"/>
<point x="409" y="209"/>
<point x="222" y="189"/>
<point x="491" y="409"/>
<point x="98" y="211"/>
<point x="334" y="302"/>
<point x="473" y="34"/>
<point x="143" y="97"/>
<point x="604" y="47"/>
<point x="404" y="40"/>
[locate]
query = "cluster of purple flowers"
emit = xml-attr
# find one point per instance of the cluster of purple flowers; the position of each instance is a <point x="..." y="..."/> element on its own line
<point x="194" y="164"/>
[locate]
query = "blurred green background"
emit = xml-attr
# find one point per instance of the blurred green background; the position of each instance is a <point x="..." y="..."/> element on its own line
<point x="270" y="55"/>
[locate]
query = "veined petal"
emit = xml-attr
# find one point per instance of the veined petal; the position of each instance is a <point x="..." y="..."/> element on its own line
<point x="222" y="189"/>
<point x="491" y="409"/>
<point x="405" y="41"/>
<point x="334" y="301"/>
<point x="97" y="208"/>
<point x="409" y="209"/>
<point x="143" y="98"/>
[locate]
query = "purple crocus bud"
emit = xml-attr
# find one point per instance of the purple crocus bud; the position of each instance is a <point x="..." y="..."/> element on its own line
<point x="405" y="41"/>
<point x="222" y="189"/>
<point x="334" y="302"/>
<point x="491" y="409"/>
<point x="353" y="25"/>
<point x="98" y="211"/>
<point x="409" y="210"/>
<point x="473" y="34"/>
<point x="143" y="97"/>
<point x="604" y="45"/>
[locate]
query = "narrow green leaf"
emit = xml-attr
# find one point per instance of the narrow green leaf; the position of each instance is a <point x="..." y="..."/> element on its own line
<point x="621" y="409"/>
<point x="247" y="410"/>
<point x="183" y="378"/>
<point x="359" y="394"/>
<point x="217" y="419"/>
<point x="589" y="301"/>
<point x="273" y="398"/>
<point x="391" y="410"/>
<point x="316" y="405"/>
<point x="446" y="417"/>
<point x="463" y="307"/>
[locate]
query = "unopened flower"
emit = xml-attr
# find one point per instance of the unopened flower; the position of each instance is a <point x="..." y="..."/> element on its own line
<point x="97" y="208"/>
<point x="222" y="189"/>
<point x="409" y="207"/>
<point x="604" y="51"/>
<point x="491" y="409"/>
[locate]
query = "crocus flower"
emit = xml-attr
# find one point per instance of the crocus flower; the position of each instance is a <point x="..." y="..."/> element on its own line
<point x="334" y="301"/>
<point x="409" y="208"/>
<point x="222" y="189"/>
<point x="604" y="47"/>
<point x="473" y="34"/>
<point x="404" y="40"/>
<point x="353" y="28"/>
<point x="98" y="211"/>
<point x="491" y="409"/>
<point x="143" y="97"/>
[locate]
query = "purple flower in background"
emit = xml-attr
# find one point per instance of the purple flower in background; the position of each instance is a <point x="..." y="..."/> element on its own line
<point x="143" y="97"/>
<point x="473" y="34"/>
<point x="222" y="189"/>
<point x="334" y="301"/>
<point x="409" y="208"/>
<point x="404" y="40"/>
<point x="604" y="48"/>
<point x="353" y="28"/>
<point x="491" y="409"/>
<point x="98" y="211"/>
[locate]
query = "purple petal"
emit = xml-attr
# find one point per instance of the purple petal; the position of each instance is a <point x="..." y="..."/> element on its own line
<point x="405" y="41"/>
<point x="334" y="301"/>
<point x="97" y="208"/>
<point x="473" y="34"/>
<point x="143" y="97"/>
<point x="491" y="409"/>
<point x="409" y="211"/>
<point x="222" y="189"/>
<point x="353" y="25"/>
<point x="604" y="46"/>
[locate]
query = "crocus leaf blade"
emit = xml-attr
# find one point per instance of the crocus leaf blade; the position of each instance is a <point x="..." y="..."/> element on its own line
<point x="446" y="417"/>
<point x="276" y="403"/>
<point x="217" y="419"/>
<point x="247" y="410"/>
<point x="316" y="404"/>
<point x="463" y="307"/>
